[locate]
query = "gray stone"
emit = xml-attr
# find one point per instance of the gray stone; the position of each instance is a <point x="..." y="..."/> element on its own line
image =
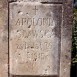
<point x="3" y="38"/>
<point x="40" y="33"/>
<point x="66" y="38"/>
<point x="36" y="0"/>
<point x="35" y="36"/>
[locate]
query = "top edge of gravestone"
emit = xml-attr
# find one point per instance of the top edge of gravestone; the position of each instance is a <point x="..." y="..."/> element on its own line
<point x="35" y="0"/>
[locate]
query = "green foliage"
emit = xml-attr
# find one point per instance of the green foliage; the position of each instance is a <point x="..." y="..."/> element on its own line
<point x="74" y="40"/>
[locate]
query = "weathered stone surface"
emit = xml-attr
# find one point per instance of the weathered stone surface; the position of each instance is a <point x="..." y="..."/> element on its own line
<point x="35" y="60"/>
<point x="3" y="38"/>
<point x="35" y="37"/>
<point x="36" y="0"/>
<point x="66" y="38"/>
<point x="66" y="35"/>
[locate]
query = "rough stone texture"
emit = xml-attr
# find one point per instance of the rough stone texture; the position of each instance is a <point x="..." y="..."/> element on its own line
<point x="35" y="32"/>
<point x="36" y="0"/>
<point x="3" y="38"/>
<point x="66" y="37"/>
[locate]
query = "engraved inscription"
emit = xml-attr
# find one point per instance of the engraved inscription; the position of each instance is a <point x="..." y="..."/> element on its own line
<point x="35" y="10"/>
<point x="35" y="22"/>
<point x="34" y="46"/>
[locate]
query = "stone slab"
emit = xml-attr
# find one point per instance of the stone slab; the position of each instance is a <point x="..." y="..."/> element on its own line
<point x="35" y="37"/>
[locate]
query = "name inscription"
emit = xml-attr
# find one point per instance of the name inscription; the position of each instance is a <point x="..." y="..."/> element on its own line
<point x="35" y="22"/>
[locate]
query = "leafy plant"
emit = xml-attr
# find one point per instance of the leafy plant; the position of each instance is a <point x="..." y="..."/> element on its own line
<point x="74" y="40"/>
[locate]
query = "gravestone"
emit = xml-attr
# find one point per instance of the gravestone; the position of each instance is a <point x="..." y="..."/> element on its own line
<point x="39" y="38"/>
<point x="35" y="35"/>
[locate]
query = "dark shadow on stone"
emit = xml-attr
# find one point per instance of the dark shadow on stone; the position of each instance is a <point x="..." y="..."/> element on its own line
<point x="33" y="76"/>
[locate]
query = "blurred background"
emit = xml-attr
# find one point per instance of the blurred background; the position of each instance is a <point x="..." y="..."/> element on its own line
<point x="74" y="42"/>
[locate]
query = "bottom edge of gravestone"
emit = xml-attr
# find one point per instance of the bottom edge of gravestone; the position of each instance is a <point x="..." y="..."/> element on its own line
<point x="33" y="75"/>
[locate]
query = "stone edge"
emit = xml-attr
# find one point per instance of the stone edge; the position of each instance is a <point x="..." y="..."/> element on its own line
<point x="66" y="39"/>
<point x="3" y="38"/>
